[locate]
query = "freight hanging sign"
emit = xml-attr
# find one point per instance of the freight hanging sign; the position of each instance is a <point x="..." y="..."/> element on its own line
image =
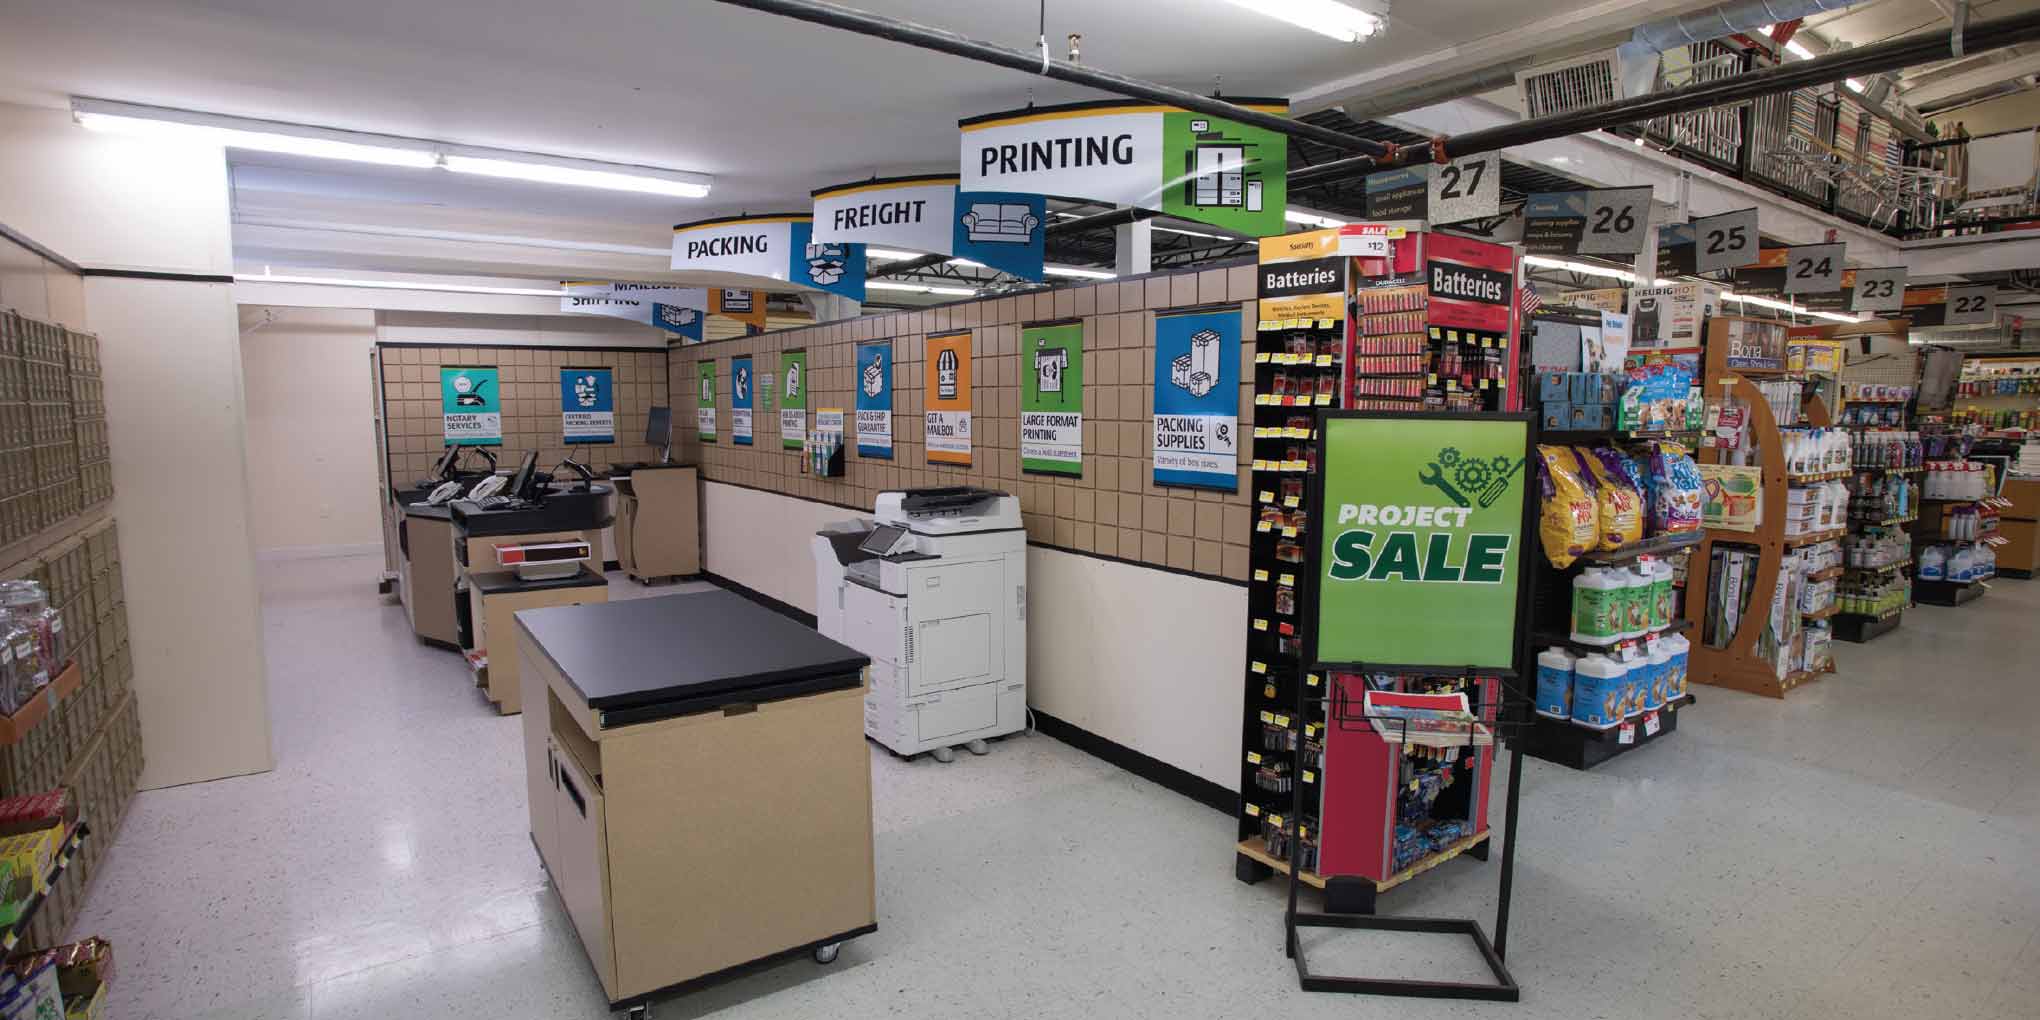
<point x="874" y="379"/>
<point x="587" y="405"/>
<point x="1604" y="221"/>
<point x="1814" y="268"/>
<point x="1422" y="539"/>
<point x="704" y="396"/>
<point x="1003" y="230"/>
<point x="471" y="405"/>
<point x="946" y="403"/>
<point x="1302" y="276"/>
<point x="1472" y="284"/>
<point x="1183" y="164"/>
<point x="1197" y="399"/>
<point x="793" y="399"/>
<point x="1052" y="398"/>
<point x="741" y="399"/>
<point x="773" y="247"/>
<point x="745" y="306"/>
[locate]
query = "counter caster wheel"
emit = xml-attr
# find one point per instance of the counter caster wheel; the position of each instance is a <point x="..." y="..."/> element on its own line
<point x="638" y="1013"/>
<point x="979" y="747"/>
<point x="827" y="954"/>
<point x="945" y="755"/>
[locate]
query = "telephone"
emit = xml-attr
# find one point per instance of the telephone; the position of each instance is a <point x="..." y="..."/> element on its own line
<point x="487" y="487"/>
<point x="443" y="494"/>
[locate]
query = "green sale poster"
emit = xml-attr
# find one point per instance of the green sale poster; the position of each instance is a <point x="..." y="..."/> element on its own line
<point x="1422" y="540"/>
<point x="1052" y="399"/>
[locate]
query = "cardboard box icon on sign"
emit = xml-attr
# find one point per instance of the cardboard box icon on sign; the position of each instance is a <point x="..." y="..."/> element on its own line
<point x="1197" y="371"/>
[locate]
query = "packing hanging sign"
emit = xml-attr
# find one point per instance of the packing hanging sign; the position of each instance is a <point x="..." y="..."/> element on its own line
<point x="772" y="247"/>
<point x="873" y="377"/>
<point x="1197" y="399"/>
<point x="587" y="405"/>
<point x="1052" y="398"/>
<point x="471" y="405"/>
<point x="1003" y="230"/>
<point x="1422" y="540"/>
<point x="1189" y="165"/>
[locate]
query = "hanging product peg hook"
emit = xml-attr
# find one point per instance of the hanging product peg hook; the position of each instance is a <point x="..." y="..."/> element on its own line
<point x="1217" y="80"/>
<point x="1076" y="48"/>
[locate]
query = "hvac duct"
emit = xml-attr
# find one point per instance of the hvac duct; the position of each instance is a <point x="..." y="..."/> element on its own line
<point x="1727" y="19"/>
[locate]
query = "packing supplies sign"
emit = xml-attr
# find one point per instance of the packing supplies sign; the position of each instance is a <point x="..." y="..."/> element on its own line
<point x="874" y="379"/>
<point x="1052" y="399"/>
<point x="793" y="399"/>
<point x="745" y="306"/>
<point x="471" y="405"/>
<point x="1472" y="284"/>
<point x="704" y="395"/>
<point x="773" y="247"/>
<point x="1005" y="231"/>
<point x="1197" y="399"/>
<point x="1306" y="289"/>
<point x="742" y="398"/>
<point x="1604" y="221"/>
<point x="1156" y="157"/>
<point x="587" y="405"/>
<point x="946" y="404"/>
<point x="1422" y="539"/>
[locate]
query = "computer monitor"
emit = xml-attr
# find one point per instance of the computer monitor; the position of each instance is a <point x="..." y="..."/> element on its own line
<point x="659" y="431"/>
<point x="444" y="469"/>
<point x="522" y="484"/>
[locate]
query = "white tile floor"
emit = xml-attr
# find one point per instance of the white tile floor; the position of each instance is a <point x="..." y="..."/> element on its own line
<point x="1863" y="849"/>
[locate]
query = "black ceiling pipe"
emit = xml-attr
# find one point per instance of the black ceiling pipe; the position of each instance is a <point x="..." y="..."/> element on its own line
<point x="1862" y="61"/>
<point x="849" y="19"/>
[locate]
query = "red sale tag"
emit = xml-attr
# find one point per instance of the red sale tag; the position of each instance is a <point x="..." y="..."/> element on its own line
<point x="1626" y="735"/>
<point x="1651" y="724"/>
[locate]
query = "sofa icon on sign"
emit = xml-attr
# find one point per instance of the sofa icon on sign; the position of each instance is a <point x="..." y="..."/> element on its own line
<point x="1000" y="223"/>
<point x="1197" y="372"/>
<point x="585" y="390"/>
<point x="1049" y="363"/>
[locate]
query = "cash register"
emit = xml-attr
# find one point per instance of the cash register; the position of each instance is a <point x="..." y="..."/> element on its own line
<point x="934" y="590"/>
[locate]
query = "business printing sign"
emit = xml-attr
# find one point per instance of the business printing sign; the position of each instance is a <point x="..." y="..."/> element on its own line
<point x="1197" y="399"/>
<point x="1471" y="284"/>
<point x="947" y="401"/>
<point x="1604" y="221"/>
<point x="587" y="405"/>
<point x="793" y="399"/>
<point x="741" y="401"/>
<point x="1183" y="164"/>
<point x="704" y="395"/>
<point x="1052" y="398"/>
<point x="775" y="247"/>
<point x="471" y="405"/>
<point x="1005" y="231"/>
<point x="873" y="376"/>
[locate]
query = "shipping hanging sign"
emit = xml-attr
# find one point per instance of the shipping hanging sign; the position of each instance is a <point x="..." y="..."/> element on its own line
<point x="793" y="399"/>
<point x="1052" y="398"/>
<point x="772" y="247"/>
<point x="704" y="395"/>
<point x="689" y="324"/>
<point x="676" y="310"/>
<point x="874" y="379"/>
<point x="471" y="405"/>
<point x="1472" y="284"/>
<point x="1604" y="221"/>
<point x="587" y="405"/>
<point x="1183" y="164"/>
<point x="741" y="401"/>
<point x="1197" y="399"/>
<point x="1422" y="538"/>
<point x="1003" y="230"/>
<point x="946" y="403"/>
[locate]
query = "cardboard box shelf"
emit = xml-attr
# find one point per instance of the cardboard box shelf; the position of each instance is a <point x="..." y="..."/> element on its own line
<point x="11" y="936"/>
<point x="15" y="728"/>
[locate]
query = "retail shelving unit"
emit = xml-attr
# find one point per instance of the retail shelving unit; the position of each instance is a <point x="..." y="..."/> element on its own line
<point x="1876" y="593"/>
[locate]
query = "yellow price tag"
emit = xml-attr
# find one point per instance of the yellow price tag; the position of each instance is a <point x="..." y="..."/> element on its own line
<point x="1267" y="717"/>
<point x="1324" y="361"/>
<point x="1483" y="384"/>
<point x="1288" y="532"/>
<point x="1311" y="679"/>
<point x="1288" y="580"/>
<point x="1433" y="378"/>
<point x="1253" y="810"/>
<point x="1253" y="757"/>
<point x="1309" y="776"/>
<point x="1327" y="323"/>
<point x="1260" y="625"/>
<point x="1277" y="819"/>
<point x="1263" y="526"/>
<point x="1487" y="341"/>
<point x="1258" y="666"/>
<point x="1266" y="496"/>
<point x="1324" y="399"/>
<point x="1291" y="501"/>
<point x="1261" y="358"/>
<point x="1261" y="575"/>
<point x="1281" y="720"/>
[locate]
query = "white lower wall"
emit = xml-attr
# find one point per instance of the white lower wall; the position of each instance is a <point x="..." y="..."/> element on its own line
<point x="1149" y="659"/>
<point x="311" y="422"/>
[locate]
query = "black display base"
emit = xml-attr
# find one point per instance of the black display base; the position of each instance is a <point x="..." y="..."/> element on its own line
<point x="1577" y="747"/>
<point x="1503" y="989"/>
<point x="1249" y="870"/>
<point x="1946" y="593"/>
<point x="2014" y="572"/>
<point x="1349" y="894"/>
<point x="1858" y="628"/>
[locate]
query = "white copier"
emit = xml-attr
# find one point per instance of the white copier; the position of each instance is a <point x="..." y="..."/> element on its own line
<point x="935" y="591"/>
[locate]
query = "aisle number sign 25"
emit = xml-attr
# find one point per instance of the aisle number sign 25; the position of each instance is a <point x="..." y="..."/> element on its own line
<point x="1725" y="241"/>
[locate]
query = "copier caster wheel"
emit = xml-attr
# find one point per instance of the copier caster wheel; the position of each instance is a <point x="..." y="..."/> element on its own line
<point x="643" y="1012"/>
<point x="979" y="747"/>
<point x="944" y="755"/>
<point x="827" y="954"/>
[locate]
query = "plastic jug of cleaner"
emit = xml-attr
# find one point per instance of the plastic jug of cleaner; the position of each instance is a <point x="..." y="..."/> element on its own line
<point x="1554" y="682"/>
<point x="1597" y="606"/>
<point x="1598" y="683"/>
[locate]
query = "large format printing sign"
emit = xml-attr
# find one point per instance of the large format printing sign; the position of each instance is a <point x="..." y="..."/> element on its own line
<point x="1173" y="161"/>
<point x="774" y="247"/>
<point x="924" y="213"/>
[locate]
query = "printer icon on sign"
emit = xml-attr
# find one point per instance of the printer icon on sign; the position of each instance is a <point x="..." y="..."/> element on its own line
<point x="1049" y="363"/>
<point x="1000" y="223"/>
<point x="1198" y="371"/>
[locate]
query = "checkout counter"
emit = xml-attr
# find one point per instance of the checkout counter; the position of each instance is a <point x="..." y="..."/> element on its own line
<point x="658" y="520"/>
<point x="418" y="543"/>
<point x="700" y="791"/>
<point x="495" y="532"/>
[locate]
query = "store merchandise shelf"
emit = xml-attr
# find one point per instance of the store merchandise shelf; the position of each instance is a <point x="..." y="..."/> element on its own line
<point x="1888" y="470"/>
<point x="1819" y="614"/>
<point x="1826" y="575"/>
<point x="1881" y="569"/>
<point x="1814" y="537"/>
<point x="1547" y="639"/>
<point x="1255" y="848"/>
<point x="1824" y="476"/>
<point x="1875" y="400"/>
<point x="1859" y="628"/>
<point x="1657" y="545"/>
<point x="1947" y="593"/>
<point x="1561" y="742"/>
<point x="1805" y="676"/>
<point x="11" y="936"/>
<point x="1888" y="522"/>
<point x="15" y="728"/>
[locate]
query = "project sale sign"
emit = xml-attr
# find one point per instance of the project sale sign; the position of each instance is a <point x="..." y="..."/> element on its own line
<point x="1197" y="399"/>
<point x="1422" y="539"/>
<point x="947" y="401"/>
<point x="471" y="405"/>
<point x="587" y="405"/>
<point x="873" y="409"/>
<point x="742" y="399"/>
<point x="1052" y="399"/>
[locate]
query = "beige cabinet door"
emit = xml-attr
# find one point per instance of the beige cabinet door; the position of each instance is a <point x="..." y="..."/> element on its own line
<point x="582" y="871"/>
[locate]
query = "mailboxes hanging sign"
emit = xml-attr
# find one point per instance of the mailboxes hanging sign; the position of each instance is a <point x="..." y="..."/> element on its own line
<point x="774" y="247"/>
<point x="1003" y="230"/>
<point x="1183" y="164"/>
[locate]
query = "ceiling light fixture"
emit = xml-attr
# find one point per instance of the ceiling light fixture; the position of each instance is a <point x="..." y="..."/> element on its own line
<point x="384" y="150"/>
<point x="890" y="254"/>
<point x="445" y="288"/>
<point x="1325" y="17"/>
<point x="1081" y="274"/>
<point x="1854" y="85"/>
<point x="1311" y="220"/>
<point x="1798" y="49"/>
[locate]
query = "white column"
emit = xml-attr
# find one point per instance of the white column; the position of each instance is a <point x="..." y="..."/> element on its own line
<point x="828" y="307"/>
<point x="1133" y="247"/>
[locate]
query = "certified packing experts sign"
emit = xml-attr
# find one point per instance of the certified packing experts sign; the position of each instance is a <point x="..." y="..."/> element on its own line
<point x="1422" y="540"/>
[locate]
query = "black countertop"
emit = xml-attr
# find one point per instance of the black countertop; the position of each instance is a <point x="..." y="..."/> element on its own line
<point x="496" y="582"/>
<point x="556" y="511"/>
<point x="442" y="512"/>
<point x="679" y="654"/>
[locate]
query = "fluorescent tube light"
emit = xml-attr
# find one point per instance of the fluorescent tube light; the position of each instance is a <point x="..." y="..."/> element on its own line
<point x="1081" y="274"/>
<point x="1854" y="85"/>
<point x="967" y="263"/>
<point x="1310" y="220"/>
<point x="890" y="254"/>
<point x="1798" y="49"/>
<point x="1325" y="17"/>
<point x="260" y="141"/>
<point x="958" y="291"/>
<point x="447" y="288"/>
<point x="1193" y="233"/>
<point x="551" y="170"/>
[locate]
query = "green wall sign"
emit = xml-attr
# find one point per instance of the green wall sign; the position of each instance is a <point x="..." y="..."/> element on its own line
<point x="1052" y="399"/>
<point x="704" y="410"/>
<point x="471" y="405"/>
<point x="1421" y="539"/>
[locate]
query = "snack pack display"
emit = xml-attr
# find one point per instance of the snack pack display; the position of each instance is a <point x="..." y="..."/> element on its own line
<point x="1568" y="517"/>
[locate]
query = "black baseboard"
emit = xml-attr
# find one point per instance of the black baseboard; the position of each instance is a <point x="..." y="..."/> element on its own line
<point x="609" y="565"/>
<point x="1154" y="770"/>
<point x="787" y="610"/>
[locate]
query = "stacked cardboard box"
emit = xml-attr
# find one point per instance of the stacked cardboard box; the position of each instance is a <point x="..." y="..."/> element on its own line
<point x="54" y="455"/>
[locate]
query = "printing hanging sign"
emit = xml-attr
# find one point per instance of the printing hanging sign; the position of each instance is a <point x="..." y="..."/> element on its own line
<point x="587" y="405"/>
<point x="742" y="399"/>
<point x="873" y="376"/>
<point x="1197" y="399"/>
<point x="774" y="247"/>
<point x="1183" y="164"/>
<point x="793" y="399"/>
<point x="947" y="402"/>
<point x="704" y="396"/>
<point x="1003" y="230"/>
<point x="1604" y="221"/>
<point x="471" y="405"/>
<point x="1052" y="398"/>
